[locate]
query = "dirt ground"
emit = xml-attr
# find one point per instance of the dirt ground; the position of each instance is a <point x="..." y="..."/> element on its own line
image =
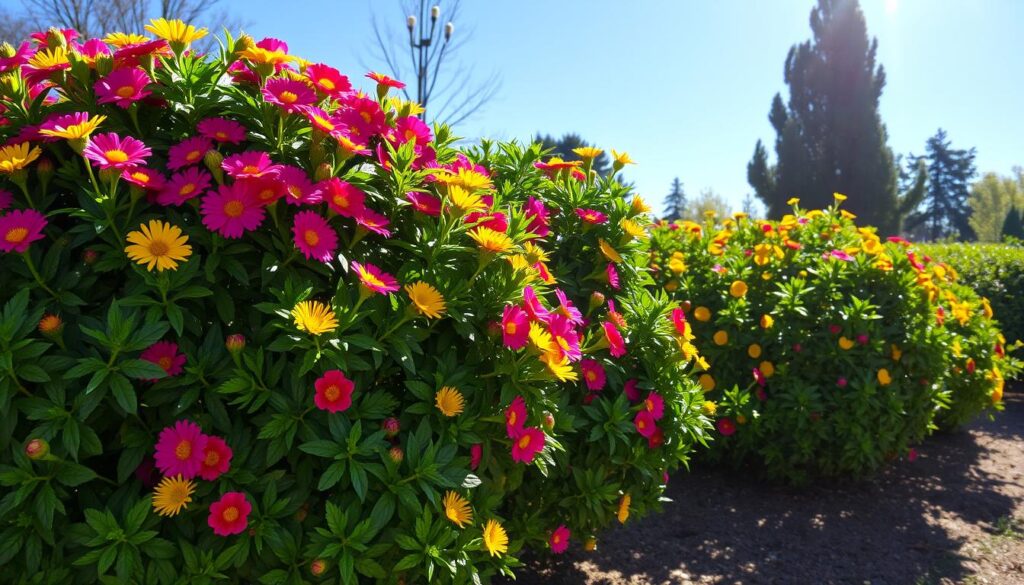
<point x="955" y="515"/>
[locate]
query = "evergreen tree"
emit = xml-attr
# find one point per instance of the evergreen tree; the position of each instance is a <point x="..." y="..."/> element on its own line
<point x="829" y="136"/>
<point x="1013" y="226"/>
<point x="751" y="207"/>
<point x="945" y="212"/>
<point x="562" y="148"/>
<point x="675" y="201"/>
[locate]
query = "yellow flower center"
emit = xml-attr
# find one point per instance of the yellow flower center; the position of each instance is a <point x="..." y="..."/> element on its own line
<point x="165" y="362"/>
<point x="295" y="192"/>
<point x="641" y="424"/>
<point x="332" y="392"/>
<point x="312" y="238"/>
<point x="510" y="328"/>
<point x="365" y="116"/>
<point x="116" y="155"/>
<point x="221" y="135"/>
<point x="326" y="83"/>
<point x="250" y="169"/>
<point x="524" y="441"/>
<point x="158" y="248"/>
<point x="194" y="155"/>
<point x="370" y="279"/>
<point x="184" y="450"/>
<point x="341" y="201"/>
<point x="187" y="189"/>
<point x="125" y="91"/>
<point x="649" y="405"/>
<point x="324" y="123"/>
<point x="512" y="417"/>
<point x="288" y="97"/>
<point x="230" y="514"/>
<point x="212" y="458"/>
<point x="16" y="235"/>
<point x="233" y="208"/>
<point x="591" y="375"/>
<point x="140" y="177"/>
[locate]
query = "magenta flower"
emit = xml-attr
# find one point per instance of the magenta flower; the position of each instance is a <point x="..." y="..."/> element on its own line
<point x="566" y="308"/>
<point x="333" y="391"/>
<point x="343" y="198"/>
<point x="476" y="453"/>
<point x="617" y="346"/>
<point x="411" y="129"/>
<point x="565" y="336"/>
<point x="123" y="87"/>
<point x="655" y="405"/>
<point x="838" y="255"/>
<point x="515" y="327"/>
<point x="54" y="125"/>
<point x="20" y="228"/>
<point x="250" y="164"/>
<point x="327" y="80"/>
<point x="288" y="94"/>
<point x="216" y="459"/>
<point x="222" y="130"/>
<point x="180" y="449"/>
<point x="374" y="279"/>
<point x="19" y="58"/>
<point x="110" y="151"/>
<point x="533" y="306"/>
<point x="496" y="221"/>
<point x="726" y="426"/>
<point x="559" y="540"/>
<point x="145" y="178"/>
<point x="759" y="377"/>
<point x="526" y="444"/>
<point x="188" y="152"/>
<point x="264" y="190"/>
<point x="631" y="390"/>
<point x="165" y="354"/>
<point x="230" y="514"/>
<point x="190" y="183"/>
<point x="321" y="120"/>
<point x="231" y="211"/>
<point x="591" y="216"/>
<point x="363" y="116"/>
<point x="645" y="424"/>
<point x="593" y="374"/>
<point x="515" y="416"/>
<point x="679" y="321"/>
<point x="424" y="203"/>
<point x="372" y="221"/>
<point x="612" y="275"/>
<point x="539" y="217"/>
<point x="298" y="189"/>
<point x="315" y="237"/>
<point x="6" y="198"/>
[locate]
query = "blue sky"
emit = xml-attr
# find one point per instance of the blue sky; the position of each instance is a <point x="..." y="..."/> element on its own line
<point x="685" y="86"/>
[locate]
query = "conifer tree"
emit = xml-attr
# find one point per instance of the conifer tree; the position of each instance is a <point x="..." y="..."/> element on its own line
<point x="675" y="201"/>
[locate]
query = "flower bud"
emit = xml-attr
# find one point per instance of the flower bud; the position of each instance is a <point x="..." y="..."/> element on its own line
<point x="549" y="421"/>
<point x="494" y="330"/>
<point x="435" y="12"/>
<point x="323" y="172"/>
<point x="448" y="30"/>
<point x="410" y="22"/>
<point x="244" y="43"/>
<point x="391" y="426"/>
<point x="596" y="300"/>
<point x="302" y="512"/>
<point x="213" y="159"/>
<point x="841" y="382"/>
<point x="51" y="325"/>
<point x="396" y="454"/>
<point x="318" y="567"/>
<point x="90" y="257"/>
<point x="863" y="339"/>
<point x="55" y="38"/>
<point x="36" y="449"/>
<point x="590" y="545"/>
<point x="235" y="343"/>
<point x="44" y="169"/>
<point x="7" y="51"/>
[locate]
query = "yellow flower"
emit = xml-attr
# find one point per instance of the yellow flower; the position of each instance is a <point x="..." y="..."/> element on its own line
<point x="897" y="353"/>
<point x="495" y="538"/>
<point x="175" y="31"/>
<point x="49" y="58"/>
<point x="689" y="350"/>
<point x="17" y="156"/>
<point x="738" y="288"/>
<point x="608" y="251"/>
<point x="464" y="200"/>
<point x="709" y="408"/>
<point x="707" y="382"/>
<point x="793" y="201"/>
<point x="676" y="265"/>
<point x="457" y="509"/>
<point x="449" y="401"/>
<point x="75" y="131"/>
<point x="541" y="339"/>
<point x="839" y="197"/>
<point x="721" y="338"/>
<point x="754" y="351"/>
<point x="741" y="419"/>
<point x="633" y="229"/>
<point x="883" y="377"/>
<point x="120" y="40"/>
<point x="767" y="368"/>
<point x="624" y="508"/>
<point x="767" y="321"/>
<point x="622" y="159"/>
<point x="491" y="241"/>
<point x="264" y="56"/>
<point x="172" y="495"/>
<point x="637" y="206"/>
<point x="314" y="317"/>
<point x="702" y="314"/>
<point x="159" y="245"/>
<point x="466" y="179"/>
<point x="846" y="214"/>
<point x="558" y="364"/>
<point x="845" y="342"/>
<point x="426" y="299"/>
<point x="986" y="308"/>
<point x="590" y="545"/>
<point x="998" y="384"/>
<point x="588" y="152"/>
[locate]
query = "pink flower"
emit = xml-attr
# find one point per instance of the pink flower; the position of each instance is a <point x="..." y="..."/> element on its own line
<point x="321" y="120"/>
<point x="726" y="426"/>
<point x="863" y="339"/>
<point x="265" y="190"/>
<point x="343" y="198"/>
<point x="298" y="189"/>
<point x="145" y="178"/>
<point x="110" y="151"/>
<point x="384" y="80"/>
<point x="559" y="540"/>
<point x="838" y="255"/>
<point x="333" y="391"/>
<point x="411" y="129"/>
<point x="130" y="55"/>
<point x="679" y="321"/>
<point x="834" y="329"/>
<point x="593" y="374"/>
<point x="612" y="275"/>
<point x="515" y="416"/>
<point x="645" y="423"/>
<point x="842" y="382"/>
<point x="424" y="203"/>
<point x="230" y="514"/>
<point x="655" y="405"/>
<point x="6" y="198"/>
<point x="476" y="453"/>
<point x="370" y="220"/>
<point x="165" y="354"/>
<point x="565" y="337"/>
<point x="288" y="94"/>
<point x="617" y="346"/>
<point x="363" y="117"/>
<point x="327" y="79"/>
<point x="526" y="444"/>
<point x="515" y="327"/>
<point x="374" y="279"/>
<point x="759" y="377"/>
<point x="657" y="439"/>
<point x="60" y="122"/>
<point x="534" y="307"/>
<point x="566" y="308"/>
<point x="216" y="458"/>
<point x="19" y="58"/>
<point x="180" y="449"/>
<point x="191" y="182"/>
<point x="912" y="455"/>
<point x="123" y="87"/>
<point x="250" y="164"/>
<point x="898" y="240"/>
<point x="314" y="236"/>
<point x="222" y="130"/>
<point x="539" y="217"/>
<point x="19" y="228"/>
<point x="591" y="216"/>
<point x="631" y="390"/>
<point x="231" y="211"/>
<point x="496" y="221"/>
<point x="188" y="152"/>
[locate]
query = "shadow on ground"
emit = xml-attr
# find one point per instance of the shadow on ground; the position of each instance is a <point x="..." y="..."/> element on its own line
<point x="905" y="525"/>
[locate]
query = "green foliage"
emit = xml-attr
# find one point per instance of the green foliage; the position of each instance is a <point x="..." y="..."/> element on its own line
<point x="944" y="210"/>
<point x="675" y="201"/>
<point x="994" y="201"/>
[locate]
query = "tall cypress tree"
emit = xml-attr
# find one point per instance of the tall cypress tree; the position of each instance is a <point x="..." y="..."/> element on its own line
<point x="675" y="201"/>
<point x="945" y="212"/>
<point x="829" y="136"/>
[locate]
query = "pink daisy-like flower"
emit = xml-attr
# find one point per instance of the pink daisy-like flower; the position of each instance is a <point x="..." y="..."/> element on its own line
<point x="372" y="221"/>
<point x="657" y="439"/>
<point x="565" y="336"/>
<point x="679" y="321"/>
<point x="593" y="374"/>
<point x="515" y="327"/>
<point x="130" y="55"/>
<point x="559" y="540"/>
<point x="321" y="120"/>
<point x="838" y="255"/>
<point x="181" y="187"/>
<point x="526" y="444"/>
<point x="165" y="354"/>
<point x="591" y="216"/>
<point x="539" y="217"/>
<point x="231" y="211"/>
<point x="222" y="130"/>
<point x="188" y="152"/>
<point x="298" y="189"/>
<point x="92" y="49"/>
<point x="476" y="453"/>
<point x="384" y="80"/>
<point x="123" y="87"/>
<point x="566" y="308"/>
<point x="617" y="346"/>
<point x="645" y="423"/>
<point x="759" y="377"/>
<point x="19" y="58"/>
<point x="496" y="221"/>
<point x="424" y="203"/>
<point x="411" y="129"/>
<point x="216" y="458"/>
<point x="180" y="449"/>
<point x="342" y="197"/>
<point x="533" y="306"/>
<point x="631" y="390"/>
<point x="726" y="426"/>
<point x="288" y="94"/>
<point x="6" y="198"/>
<point x="515" y="416"/>
<point x="230" y="514"/>
<point x="545" y="274"/>
<point x="145" y="178"/>
<point x="655" y="405"/>
<point x="251" y="164"/>
<point x="314" y="236"/>
<point x="264" y="190"/>
<point x="363" y="117"/>
<point x="110" y="151"/>
<point x="612" y="275"/>
<point x="333" y="391"/>
<point x="327" y="80"/>
<point x="374" y="279"/>
<point x="19" y="228"/>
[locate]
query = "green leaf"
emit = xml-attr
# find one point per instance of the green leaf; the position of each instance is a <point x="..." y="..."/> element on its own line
<point x="332" y="475"/>
<point x="74" y="474"/>
<point x="141" y="369"/>
<point x="321" y="448"/>
<point x="123" y="393"/>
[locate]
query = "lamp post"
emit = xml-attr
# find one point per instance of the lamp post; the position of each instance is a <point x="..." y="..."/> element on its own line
<point x="427" y="47"/>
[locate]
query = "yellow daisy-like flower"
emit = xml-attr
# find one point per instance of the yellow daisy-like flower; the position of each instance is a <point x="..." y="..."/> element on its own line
<point x="259" y="55"/>
<point x="708" y="408"/>
<point x="688" y="350"/>
<point x="426" y="299"/>
<point x="491" y="241"/>
<point x="120" y="40"/>
<point x="464" y="200"/>
<point x="314" y="317"/>
<point x="457" y="509"/>
<point x="721" y="338"/>
<point x="897" y="353"/>
<point x="158" y="244"/>
<point x="559" y="366"/>
<point x="75" y="131"/>
<point x="172" y="495"/>
<point x="986" y="308"/>
<point x="609" y="252"/>
<point x="17" y="156"/>
<point x="588" y="152"/>
<point x="622" y="159"/>
<point x="49" y="58"/>
<point x="637" y="206"/>
<point x="754" y="351"/>
<point x="793" y="201"/>
<point x="590" y="545"/>
<point x="702" y="314"/>
<point x="175" y="31"/>
<point x="845" y="342"/>
<point x="839" y="197"/>
<point x="624" y="508"/>
<point x="495" y="538"/>
<point x="883" y="377"/>
<point x="738" y="288"/>
<point x="707" y="382"/>
<point x="676" y="265"/>
<point x="535" y="253"/>
<point x="767" y="368"/>
<point x="634" y="229"/>
<point x="449" y="401"/>
<point x="999" y="384"/>
<point x="464" y="178"/>
<point x="767" y="321"/>
<point x="541" y="339"/>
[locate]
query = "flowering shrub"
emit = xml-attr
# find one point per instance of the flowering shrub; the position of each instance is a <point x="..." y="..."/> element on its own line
<point x="260" y="326"/>
<point x="826" y="349"/>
